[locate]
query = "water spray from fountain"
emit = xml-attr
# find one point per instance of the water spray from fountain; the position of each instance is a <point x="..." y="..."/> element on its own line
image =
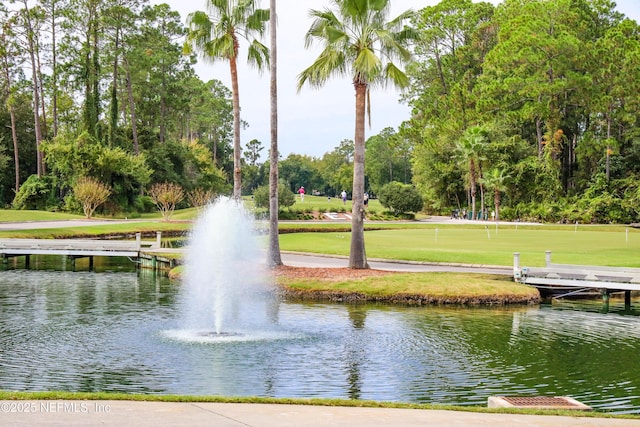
<point x="227" y="288"/>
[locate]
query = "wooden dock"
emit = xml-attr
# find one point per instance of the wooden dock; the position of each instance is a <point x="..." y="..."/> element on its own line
<point x="570" y="279"/>
<point x="138" y="250"/>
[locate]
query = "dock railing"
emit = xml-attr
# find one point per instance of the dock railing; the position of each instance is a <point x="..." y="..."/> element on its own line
<point x="578" y="276"/>
<point x="77" y="247"/>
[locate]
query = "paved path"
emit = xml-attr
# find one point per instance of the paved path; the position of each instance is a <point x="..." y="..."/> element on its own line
<point x="332" y="261"/>
<point x="163" y="414"/>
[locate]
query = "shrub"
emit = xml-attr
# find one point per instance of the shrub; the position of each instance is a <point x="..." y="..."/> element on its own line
<point x="35" y="193"/>
<point x="144" y="204"/>
<point x="400" y="198"/>
<point x="199" y="197"/>
<point x="286" y="198"/>
<point x="91" y="193"/>
<point x="166" y="196"/>
<point x="71" y="204"/>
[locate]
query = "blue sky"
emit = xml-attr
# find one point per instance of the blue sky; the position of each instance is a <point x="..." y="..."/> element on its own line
<point x="313" y="121"/>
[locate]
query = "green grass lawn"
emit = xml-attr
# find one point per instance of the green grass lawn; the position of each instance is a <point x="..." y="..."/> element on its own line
<point x="324" y="204"/>
<point x="12" y="215"/>
<point x="92" y="231"/>
<point x="477" y="245"/>
<point x="441" y="287"/>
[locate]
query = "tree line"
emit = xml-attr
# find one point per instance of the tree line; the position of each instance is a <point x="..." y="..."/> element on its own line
<point x="528" y="109"/>
<point x="532" y="105"/>
<point x="103" y="89"/>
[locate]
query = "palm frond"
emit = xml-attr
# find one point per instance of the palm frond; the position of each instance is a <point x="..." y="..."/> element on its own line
<point x="367" y="66"/>
<point x="324" y="22"/>
<point x="221" y="47"/>
<point x="258" y="55"/>
<point x="329" y="63"/>
<point x="256" y="22"/>
<point x="396" y="76"/>
<point x="218" y="6"/>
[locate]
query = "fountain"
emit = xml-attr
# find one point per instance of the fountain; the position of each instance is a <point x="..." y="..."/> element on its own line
<point x="227" y="291"/>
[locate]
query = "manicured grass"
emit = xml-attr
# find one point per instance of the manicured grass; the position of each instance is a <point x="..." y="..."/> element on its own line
<point x="438" y="287"/>
<point x="179" y="215"/>
<point x="11" y="215"/>
<point x="323" y="204"/>
<point x="475" y="245"/>
<point x="129" y="228"/>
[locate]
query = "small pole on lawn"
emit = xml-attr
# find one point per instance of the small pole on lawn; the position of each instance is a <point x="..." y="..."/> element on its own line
<point x="486" y="227"/>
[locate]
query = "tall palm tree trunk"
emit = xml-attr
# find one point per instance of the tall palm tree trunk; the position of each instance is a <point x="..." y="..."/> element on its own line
<point x="237" y="170"/>
<point x="274" y="257"/>
<point x="357" y="255"/>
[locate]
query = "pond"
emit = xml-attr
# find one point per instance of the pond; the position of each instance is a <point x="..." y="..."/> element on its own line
<point x="114" y="331"/>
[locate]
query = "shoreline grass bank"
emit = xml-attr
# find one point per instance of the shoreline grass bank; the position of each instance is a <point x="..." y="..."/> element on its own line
<point x="414" y="289"/>
<point x="424" y="288"/>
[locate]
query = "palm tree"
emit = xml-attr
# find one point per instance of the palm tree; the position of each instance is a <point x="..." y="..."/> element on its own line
<point x="496" y="180"/>
<point x="358" y="42"/>
<point x="274" y="257"/>
<point x="216" y="36"/>
<point x="470" y="149"/>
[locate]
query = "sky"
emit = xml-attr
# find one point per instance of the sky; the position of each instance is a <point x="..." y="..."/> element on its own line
<point x="312" y="121"/>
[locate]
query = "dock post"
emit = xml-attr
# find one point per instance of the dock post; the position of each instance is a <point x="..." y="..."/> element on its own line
<point x="547" y="258"/>
<point x="90" y="263"/>
<point x="516" y="265"/>
<point x="605" y="300"/>
<point x="138" y="240"/>
<point x="27" y="261"/>
<point x="627" y="300"/>
<point x="158" y="239"/>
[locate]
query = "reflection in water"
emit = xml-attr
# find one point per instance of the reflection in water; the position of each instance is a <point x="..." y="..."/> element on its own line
<point x="108" y="332"/>
<point x="354" y="351"/>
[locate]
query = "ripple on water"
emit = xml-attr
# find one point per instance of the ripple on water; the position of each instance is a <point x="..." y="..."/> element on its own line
<point x="203" y="336"/>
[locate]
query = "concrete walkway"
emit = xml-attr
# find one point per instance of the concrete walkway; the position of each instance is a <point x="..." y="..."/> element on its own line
<point x="160" y="414"/>
<point x="298" y="259"/>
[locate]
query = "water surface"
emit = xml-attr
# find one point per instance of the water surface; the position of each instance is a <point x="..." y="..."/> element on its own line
<point x="120" y="332"/>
